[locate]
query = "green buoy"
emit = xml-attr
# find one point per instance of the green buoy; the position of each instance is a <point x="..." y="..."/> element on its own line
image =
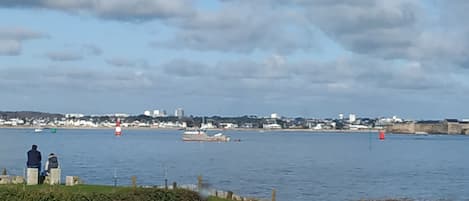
<point x="53" y="130"/>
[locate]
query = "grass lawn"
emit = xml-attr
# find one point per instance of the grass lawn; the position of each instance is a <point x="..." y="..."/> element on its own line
<point x="83" y="190"/>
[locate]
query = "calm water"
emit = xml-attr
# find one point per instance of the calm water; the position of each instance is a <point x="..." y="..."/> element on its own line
<point x="301" y="166"/>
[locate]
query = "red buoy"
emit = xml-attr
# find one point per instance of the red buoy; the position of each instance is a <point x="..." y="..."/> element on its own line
<point x="118" y="128"/>
<point x="381" y="135"/>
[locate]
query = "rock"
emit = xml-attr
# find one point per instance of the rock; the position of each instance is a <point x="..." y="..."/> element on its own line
<point x="5" y="179"/>
<point x="17" y="180"/>
<point x="54" y="177"/>
<point x="32" y="176"/>
<point x="72" y="180"/>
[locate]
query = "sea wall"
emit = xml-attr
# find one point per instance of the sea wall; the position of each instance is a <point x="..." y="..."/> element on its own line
<point x="430" y="127"/>
<point x="407" y="127"/>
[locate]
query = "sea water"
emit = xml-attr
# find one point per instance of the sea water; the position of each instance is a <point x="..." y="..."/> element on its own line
<point x="301" y="166"/>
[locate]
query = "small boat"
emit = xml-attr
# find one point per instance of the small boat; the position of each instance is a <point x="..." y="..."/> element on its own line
<point x="421" y="133"/>
<point x="38" y="130"/>
<point x="201" y="136"/>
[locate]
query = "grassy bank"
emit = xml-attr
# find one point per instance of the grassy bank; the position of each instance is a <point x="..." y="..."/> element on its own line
<point x="95" y="193"/>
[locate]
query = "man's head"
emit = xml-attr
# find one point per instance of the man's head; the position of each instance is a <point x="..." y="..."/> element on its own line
<point x="34" y="147"/>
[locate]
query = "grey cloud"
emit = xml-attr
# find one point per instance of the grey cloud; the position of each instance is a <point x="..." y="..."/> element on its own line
<point x="92" y="50"/>
<point x="243" y="27"/>
<point x="447" y="43"/>
<point x="120" y="62"/>
<point x="382" y="28"/>
<point x="357" y="74"/>
<point x="74" y="53"/>
<point x="113" y="9"/>
<point x="64" y="56"/>
<point x="128" y="63"/>
<point x="273" y="82"/>
<point x="387" y="29"/>
<point x="11" y="39"/>
<point x="377" y="28"/>
<point x="73" y="78"/>
<point x="19" y="34"/>
<point x="10" y="47"/>
<point x="185" y="68"/>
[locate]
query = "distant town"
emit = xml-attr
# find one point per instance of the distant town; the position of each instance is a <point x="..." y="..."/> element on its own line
<point x="178" y="120"/>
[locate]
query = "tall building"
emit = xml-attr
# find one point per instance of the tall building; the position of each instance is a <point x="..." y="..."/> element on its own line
<point x="179" y="113"/>
<point x="156" y="113"/>
<point x="352" y="118"/>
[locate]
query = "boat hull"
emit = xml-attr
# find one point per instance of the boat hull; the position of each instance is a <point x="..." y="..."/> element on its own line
<point x="204" y="138"/>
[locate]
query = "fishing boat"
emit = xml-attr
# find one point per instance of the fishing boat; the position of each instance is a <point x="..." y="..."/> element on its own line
<point x="38" y="130"/>
<point x="201" y="136"/>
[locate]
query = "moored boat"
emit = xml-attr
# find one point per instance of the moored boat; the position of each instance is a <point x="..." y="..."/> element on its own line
<point x="201" y="136"/>
<point x="421" y="133"/>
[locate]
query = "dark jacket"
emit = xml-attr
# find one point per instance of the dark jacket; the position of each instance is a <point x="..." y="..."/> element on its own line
<point x="52" y="162"/>
<point x="34" y="158"/>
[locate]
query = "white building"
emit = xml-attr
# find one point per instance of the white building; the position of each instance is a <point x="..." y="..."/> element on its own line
<point x="274" y="116"/>
<point x="396" y="119"/>
<point x="207" y="125"/>
<point x="271" y="126"/>
<point x="159" y="113"/>
<point x="317" y="127"/>
<point x="156" y="113"/>
<point x="352" y="118"/>
<point x="228" y="125"/>
<point x="147" y="113"/>
<point x="341" y="116"/>
<point x="179" y="113"/>
<point x="359" y="127"/>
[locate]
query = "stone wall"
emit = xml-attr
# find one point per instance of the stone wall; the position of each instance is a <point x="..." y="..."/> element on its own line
<point x="454" y="128"/>
<point x="408" y="127"/>
<point x="431" y="127"/>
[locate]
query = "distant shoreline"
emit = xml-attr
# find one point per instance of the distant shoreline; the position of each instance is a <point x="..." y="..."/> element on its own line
<point x="173" y="129"/>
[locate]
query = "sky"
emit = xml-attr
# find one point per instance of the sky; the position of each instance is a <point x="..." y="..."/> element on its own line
<point x="310" y="58"/>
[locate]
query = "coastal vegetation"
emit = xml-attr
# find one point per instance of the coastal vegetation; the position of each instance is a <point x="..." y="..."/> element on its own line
<point x="94" y="193"/>
<point x="106" y="193"/>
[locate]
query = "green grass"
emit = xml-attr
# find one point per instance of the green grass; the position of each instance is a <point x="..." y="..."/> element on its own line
<point x="62" y="188"/>
<point x="92" y="193"/>
<point x="78" y="189"/>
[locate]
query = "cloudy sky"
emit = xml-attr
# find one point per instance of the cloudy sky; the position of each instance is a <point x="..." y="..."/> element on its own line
<point x="313" y="58"/>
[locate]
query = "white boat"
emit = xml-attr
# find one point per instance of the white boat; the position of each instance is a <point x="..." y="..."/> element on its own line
<point x="421" y="133"/>
<point x="201" y="136"/>
<point x="38" y="130"/>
